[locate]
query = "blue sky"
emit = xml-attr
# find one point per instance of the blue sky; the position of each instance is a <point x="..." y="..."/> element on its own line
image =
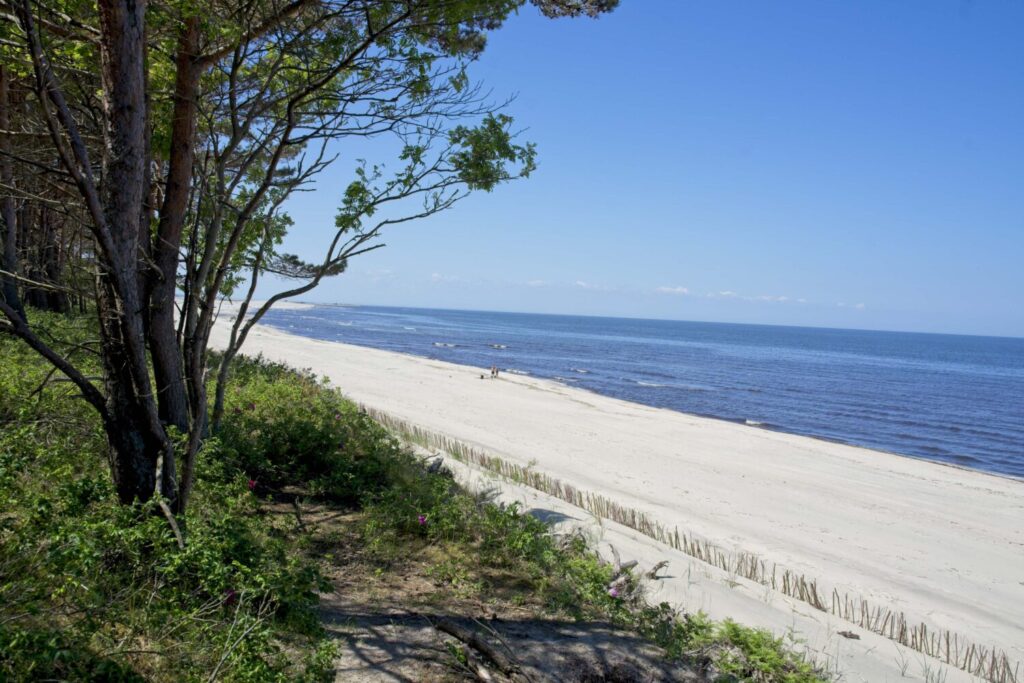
<point x="827" y="163"/>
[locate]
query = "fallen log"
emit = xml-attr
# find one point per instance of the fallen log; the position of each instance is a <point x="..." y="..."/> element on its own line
<point x="505" y="664"/>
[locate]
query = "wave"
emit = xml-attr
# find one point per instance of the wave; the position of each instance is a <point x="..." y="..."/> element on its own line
<point x="406" y="327"/>
<point x="647" y="372"/>
<point x="684" y="387"/>
<point x="965" y="459"/>
<point x="444" y="345"/>
<point x="934" y="450"/>
<point x="582" y="371"/>
<point x="513" y="371"/>
<point x="498" y="346"/>
<point x="753" y="423"/>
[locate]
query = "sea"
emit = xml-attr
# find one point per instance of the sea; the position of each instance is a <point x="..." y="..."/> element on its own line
<point x="948" y="398"/>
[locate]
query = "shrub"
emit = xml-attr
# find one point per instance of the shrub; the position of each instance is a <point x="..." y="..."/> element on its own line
<point x="284" y="428"/>
<point x="48" y="654"/>
<point x="93" y="590"/>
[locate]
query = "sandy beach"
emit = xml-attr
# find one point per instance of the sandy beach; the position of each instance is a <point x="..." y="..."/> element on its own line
<point x="945" y="546"/>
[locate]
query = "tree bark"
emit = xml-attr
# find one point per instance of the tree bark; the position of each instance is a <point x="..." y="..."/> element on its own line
<point x="9" y="262"/>
<point x="53" y="266"/>
<point x="167" y="357"/>
<point x="138" y="438"/>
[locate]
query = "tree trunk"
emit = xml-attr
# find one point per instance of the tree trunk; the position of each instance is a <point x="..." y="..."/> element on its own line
<point x="167" y="356"/>
<point x="9" y="261"/>
<point x="138" y="438"/>
<point x="30" y="218"/>
<point x="222" y="385"/>
<point x="132" y="449"/>
<point x="176" y="378"/>
<point x="57" y="298"/>
<point x="44" y="259"/>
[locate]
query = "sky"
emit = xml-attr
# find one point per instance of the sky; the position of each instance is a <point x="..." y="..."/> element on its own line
<point x="822" y="163"/>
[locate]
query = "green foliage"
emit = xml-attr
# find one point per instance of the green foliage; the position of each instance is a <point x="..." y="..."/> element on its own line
<point x="288" y="429"/>
<point x="49" y="654"/>
<point x="754" y="654"/>
<point x="509" y="536"/>
<point x="485" y="150"/>
<point x="93" y="590"/>
<point x="41" y="420"/>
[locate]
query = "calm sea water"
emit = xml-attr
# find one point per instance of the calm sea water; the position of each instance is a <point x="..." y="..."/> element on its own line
<point x="953" y="399"/>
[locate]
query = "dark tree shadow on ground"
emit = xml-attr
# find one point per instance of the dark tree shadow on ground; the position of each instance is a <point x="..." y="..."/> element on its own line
<point x="408" y="647"/>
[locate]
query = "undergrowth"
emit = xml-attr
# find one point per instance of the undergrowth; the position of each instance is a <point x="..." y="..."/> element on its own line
<point x="565" y="574"/>
<point x="93" y="590"/>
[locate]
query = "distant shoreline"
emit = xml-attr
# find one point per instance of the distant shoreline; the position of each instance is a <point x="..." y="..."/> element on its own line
<point x="312" y="304"/>
<point x="768" y="377"/>
<point x="743" y="422"/>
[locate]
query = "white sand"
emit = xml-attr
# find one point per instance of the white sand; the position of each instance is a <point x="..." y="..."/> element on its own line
<point x="944" y="545"/>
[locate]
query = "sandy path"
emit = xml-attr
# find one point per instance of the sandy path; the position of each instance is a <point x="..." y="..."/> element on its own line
<point x="942" y="544"/>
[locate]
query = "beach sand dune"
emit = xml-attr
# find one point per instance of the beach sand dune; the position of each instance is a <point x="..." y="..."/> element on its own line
<point x="943" y="545"/>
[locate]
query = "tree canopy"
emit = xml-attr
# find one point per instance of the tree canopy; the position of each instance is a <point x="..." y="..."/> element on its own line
<point x="148" y="151"/>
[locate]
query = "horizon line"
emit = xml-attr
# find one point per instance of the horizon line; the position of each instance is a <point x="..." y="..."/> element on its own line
<point x="670" y="320"/>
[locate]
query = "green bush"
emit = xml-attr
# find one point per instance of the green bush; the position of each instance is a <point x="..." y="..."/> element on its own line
<point x="93" y="590"/>
<point x="283" y="428"/>
<point x="47" y="654"/>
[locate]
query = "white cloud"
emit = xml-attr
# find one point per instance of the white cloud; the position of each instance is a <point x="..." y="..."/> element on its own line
<point x="537" y="283"/>
<point x="438" y="277"/>
<point x="679" y="291"/>
<point x="591" y="286"/>
<point x="859" y="307"/>
<point x="769" y="298"/>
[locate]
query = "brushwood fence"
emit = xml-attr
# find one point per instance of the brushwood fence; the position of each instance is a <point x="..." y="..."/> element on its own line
<point x="951" y="648"/>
